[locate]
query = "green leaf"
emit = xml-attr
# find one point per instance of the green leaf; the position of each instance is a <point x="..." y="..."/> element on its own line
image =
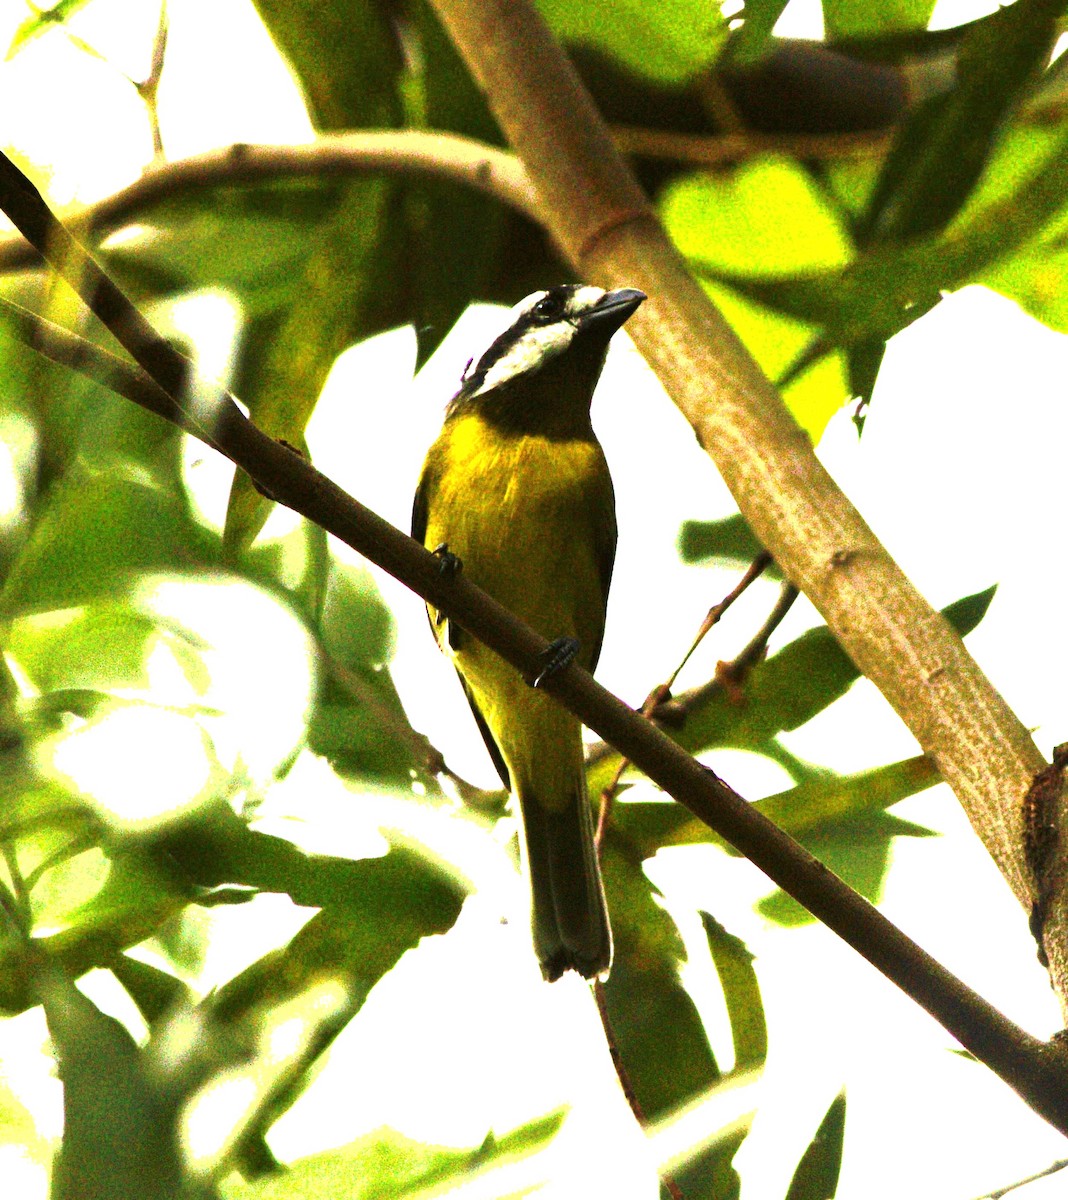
<point x="345" y="54"/>
<point x="749" y="42"/>
<point x="765" y="217"/>
<point x="741" y="993"/>
<point x="155" y="992"/>
<point x="360" y="724"/>
<point x="347" y="57"/>
<point x="655" y="1024"/>
<point x="120" y="1134"/>
<point x="824" y="800"/>
<point x="455" y="235"/>
<point x="96" y="535"/>
<point x="781" y="693"/>
<point x="816" y="1177"/>
<point x="330" y="309"/>
<point x="252" y="240"/>
<point x="940" y="152"/>
<point x="669" y="42"/>
<point x="859" y="18"/>
<point x="19" y="1129"/>
<point x="726" y="542"/>
<point x="100" y="648"/>
<point x="386" y="1163"/>
<point x="886" y="289"/>
<point x="356" y="628"/>
<point x="219" y="849"/>
<point x="388" y="905"/>
<point x="857" y="852"/>
<point x="793" y="685"/>
<point x="760" y="221"/>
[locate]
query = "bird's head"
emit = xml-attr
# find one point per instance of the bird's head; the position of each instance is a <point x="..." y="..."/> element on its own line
<point x="549" y="356"/>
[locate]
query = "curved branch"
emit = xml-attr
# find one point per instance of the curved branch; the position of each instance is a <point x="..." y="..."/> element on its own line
<point x="405" y="152"/>
<point x="596" y="212"/>
<point x="1035" y="1070"/>
<point x="712" y="150"/>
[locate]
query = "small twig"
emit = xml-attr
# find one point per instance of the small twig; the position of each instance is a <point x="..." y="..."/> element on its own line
<point x="625" y="1082"/>
<point x="731" y="675"/>
<point x="718" y="149"/>
<point x="1052" y="1169"/>
<point x="148" y="88"/>
<point x="662" y="692"/>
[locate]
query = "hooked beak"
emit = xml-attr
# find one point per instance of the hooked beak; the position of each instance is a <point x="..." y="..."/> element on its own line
<point x="613" y="309"/>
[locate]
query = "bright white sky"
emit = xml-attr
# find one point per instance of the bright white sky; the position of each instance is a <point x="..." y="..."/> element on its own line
<point x="959" y="472"/>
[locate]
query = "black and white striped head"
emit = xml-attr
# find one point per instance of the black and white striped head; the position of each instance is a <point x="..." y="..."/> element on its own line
<point x="544" y="327"/>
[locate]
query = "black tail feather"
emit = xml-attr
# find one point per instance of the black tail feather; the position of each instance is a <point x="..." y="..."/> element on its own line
<point x="570" y="917"/>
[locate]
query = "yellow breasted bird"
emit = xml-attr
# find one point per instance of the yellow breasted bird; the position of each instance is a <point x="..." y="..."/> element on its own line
<point x="516" y="488"/>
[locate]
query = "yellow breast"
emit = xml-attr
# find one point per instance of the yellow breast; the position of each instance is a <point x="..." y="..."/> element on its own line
<point x="520" y="512"/>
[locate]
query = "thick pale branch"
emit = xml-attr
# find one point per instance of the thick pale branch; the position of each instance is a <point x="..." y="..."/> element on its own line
<point x="594" y="209"/>
<point x="402" y="152"/>
<point x="1036" y="1071"/>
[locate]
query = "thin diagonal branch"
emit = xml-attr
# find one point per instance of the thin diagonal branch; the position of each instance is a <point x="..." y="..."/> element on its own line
<point x="1037" y="1071"/>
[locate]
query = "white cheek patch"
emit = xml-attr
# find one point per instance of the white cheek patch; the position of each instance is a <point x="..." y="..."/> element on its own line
<point x="584" y="299"/>
<point x="535" y="348"/>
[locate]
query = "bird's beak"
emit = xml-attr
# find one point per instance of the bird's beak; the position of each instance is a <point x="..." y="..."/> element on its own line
<point x="613" y="309"/>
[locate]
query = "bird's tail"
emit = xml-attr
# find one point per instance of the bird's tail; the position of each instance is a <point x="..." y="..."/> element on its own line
<point x="570" y="917"/>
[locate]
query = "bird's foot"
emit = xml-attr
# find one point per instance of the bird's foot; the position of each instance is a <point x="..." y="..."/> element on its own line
<point x="556" y="656"/>
<point x="448" y="563"/>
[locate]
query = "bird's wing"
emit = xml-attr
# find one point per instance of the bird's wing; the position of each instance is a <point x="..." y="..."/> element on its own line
<point x="487" y="737"/>
<point x="603" y="506"/>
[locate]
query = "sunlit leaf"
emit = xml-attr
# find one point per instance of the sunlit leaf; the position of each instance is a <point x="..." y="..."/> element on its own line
<point x="101" y="647"/>
<point x="741" y="993"/>
<point x="386" y="1163"/>
<point x="764" y="219"/>
<point x="858" y="18"/>
<point x="886" y="289"/>
<point x="669" y="42"/>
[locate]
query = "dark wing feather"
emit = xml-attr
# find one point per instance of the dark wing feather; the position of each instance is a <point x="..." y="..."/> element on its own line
<point x="487" y="737"/>
<point x="420" y="514"/>
<point x="420" y="508"/>
<point x="604" y="542"/>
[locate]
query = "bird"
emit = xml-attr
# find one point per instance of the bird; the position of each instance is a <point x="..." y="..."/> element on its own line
<point x="516" y="492"/>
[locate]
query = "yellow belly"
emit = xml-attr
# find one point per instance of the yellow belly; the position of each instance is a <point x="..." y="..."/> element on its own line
<point x="521" y="514"/>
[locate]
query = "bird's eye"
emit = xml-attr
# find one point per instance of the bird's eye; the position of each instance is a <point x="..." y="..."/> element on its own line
<point x="548" y="307"/>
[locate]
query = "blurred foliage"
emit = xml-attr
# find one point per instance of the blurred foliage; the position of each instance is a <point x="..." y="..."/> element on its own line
<point x="140" y="748"/>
